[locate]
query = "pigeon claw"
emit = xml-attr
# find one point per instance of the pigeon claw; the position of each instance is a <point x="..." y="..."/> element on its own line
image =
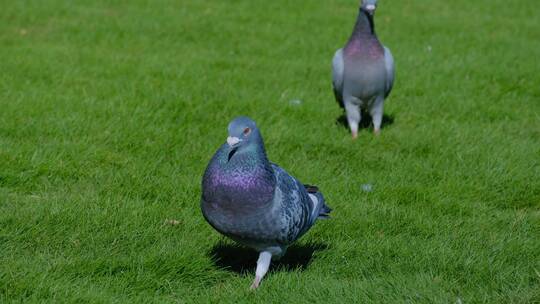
<point x="256" y="283"/>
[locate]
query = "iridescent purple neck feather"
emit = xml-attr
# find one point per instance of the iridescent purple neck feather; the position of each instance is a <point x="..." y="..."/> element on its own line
<point x="240" y="178"/>
<point x="363" y="41"/>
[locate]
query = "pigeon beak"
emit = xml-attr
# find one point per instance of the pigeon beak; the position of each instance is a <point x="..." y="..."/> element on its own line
<point x="233" y="141"/>
<point x="370" y="8"/>
<point x="233" y="144"/>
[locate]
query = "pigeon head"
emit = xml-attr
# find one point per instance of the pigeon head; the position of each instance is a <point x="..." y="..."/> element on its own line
<point x="369" y="6"/>
<point x="243" y="133"/>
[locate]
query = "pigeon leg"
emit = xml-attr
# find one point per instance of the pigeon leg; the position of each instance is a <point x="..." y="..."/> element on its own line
<point x="353" y="116"/>
<point x="262" y="267"/>
<point x="376" y="112"/>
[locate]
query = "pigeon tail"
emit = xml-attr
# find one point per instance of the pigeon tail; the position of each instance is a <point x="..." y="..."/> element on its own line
<point x="323" y="211"/>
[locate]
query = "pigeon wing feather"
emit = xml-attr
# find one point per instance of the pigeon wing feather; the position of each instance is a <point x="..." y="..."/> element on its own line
<point x="390" y="73"/>
<point x="337" y="76"/>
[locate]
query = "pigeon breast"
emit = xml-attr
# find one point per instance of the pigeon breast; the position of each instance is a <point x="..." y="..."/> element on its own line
<point x="236" y="192"/>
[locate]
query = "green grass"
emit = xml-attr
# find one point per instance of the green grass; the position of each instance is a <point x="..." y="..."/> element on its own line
<point x="110" y="111"/>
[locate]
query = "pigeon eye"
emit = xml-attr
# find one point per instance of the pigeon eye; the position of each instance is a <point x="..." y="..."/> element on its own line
<point x="247" y="131"/>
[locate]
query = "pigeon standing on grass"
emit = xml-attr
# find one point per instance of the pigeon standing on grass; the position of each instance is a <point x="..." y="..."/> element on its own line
<point x="255" y="202"/>
<point x="363" y="71"/>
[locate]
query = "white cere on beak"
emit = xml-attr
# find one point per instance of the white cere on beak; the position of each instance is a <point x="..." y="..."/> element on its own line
<point x="232" y="140"/>
<point x="370" y="7"/>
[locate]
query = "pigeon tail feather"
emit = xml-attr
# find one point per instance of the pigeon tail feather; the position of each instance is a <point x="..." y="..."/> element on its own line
<point x="323" y="209"/>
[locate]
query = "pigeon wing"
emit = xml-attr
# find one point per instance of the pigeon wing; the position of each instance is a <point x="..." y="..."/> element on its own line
<point x="390" y="73"/>
<point x="337" y="76"/>
<point x="300" y="206"/>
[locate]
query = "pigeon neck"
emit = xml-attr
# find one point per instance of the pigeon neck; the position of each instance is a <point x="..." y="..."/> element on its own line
<point x="238" y="179"/>
<point x="256" y="146"/>
<point x="252" y="159"/>
<point x="365" y="26"/>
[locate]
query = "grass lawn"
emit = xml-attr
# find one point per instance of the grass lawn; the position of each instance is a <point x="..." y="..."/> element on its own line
<point x="110" y="111"/>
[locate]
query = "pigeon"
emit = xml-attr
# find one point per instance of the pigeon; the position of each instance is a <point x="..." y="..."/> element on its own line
<point x="255" y="202"/>
<point x="363" y="71"/>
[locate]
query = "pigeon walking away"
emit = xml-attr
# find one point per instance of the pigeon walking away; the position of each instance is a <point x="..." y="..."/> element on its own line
<point x="363" y="71"/>
<point x="255" y="202"/>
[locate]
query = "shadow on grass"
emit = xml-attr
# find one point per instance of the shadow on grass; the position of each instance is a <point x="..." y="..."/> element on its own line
<point x="365" y="123"/>
<point x="243" y="260"/>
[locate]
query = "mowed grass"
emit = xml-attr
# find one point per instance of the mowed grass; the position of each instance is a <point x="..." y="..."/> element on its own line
<point x="110" y="111"/>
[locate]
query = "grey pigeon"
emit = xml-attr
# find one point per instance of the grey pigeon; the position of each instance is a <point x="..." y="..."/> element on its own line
<point x="363" y="71"/>
<point x="255" y="202"/>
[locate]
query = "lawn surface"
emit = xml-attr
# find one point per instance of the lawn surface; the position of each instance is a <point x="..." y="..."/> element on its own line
<point x="110" y="111"/>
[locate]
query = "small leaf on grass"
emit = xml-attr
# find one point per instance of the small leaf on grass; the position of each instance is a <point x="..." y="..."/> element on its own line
<point x="295" y="102"/>
<point x="367" y="187"/>
<point x="172" y="222"/>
